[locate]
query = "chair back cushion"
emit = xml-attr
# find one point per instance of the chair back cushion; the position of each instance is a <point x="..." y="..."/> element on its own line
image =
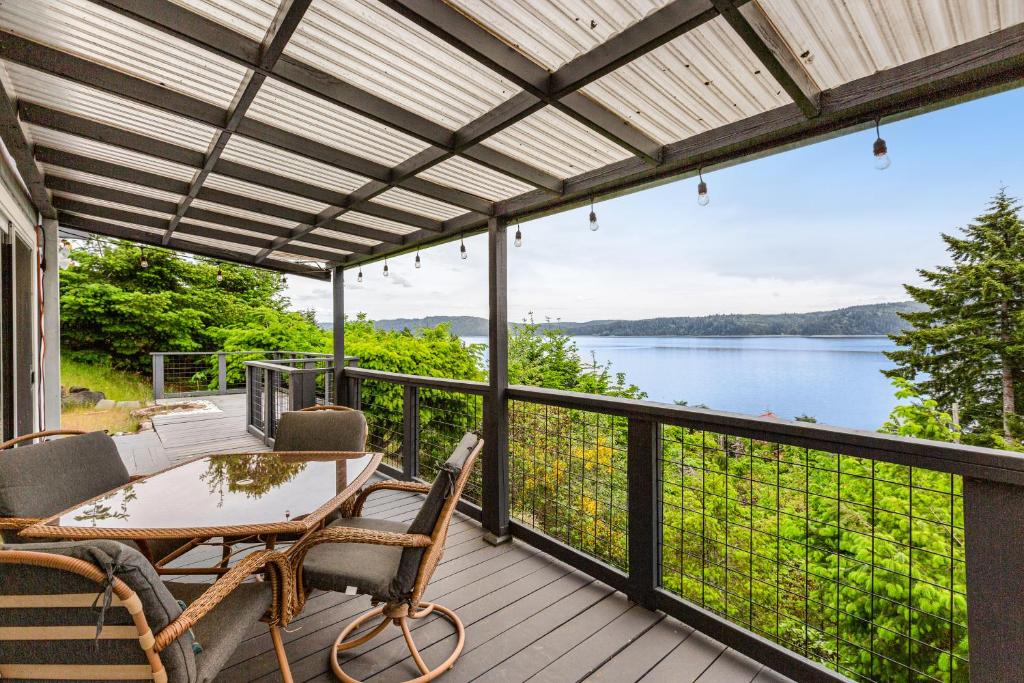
<point x="444" y="487"/>
<point x="321" y="430"/>
<point x="46" y="478"/>
<point x="126" y="564"/>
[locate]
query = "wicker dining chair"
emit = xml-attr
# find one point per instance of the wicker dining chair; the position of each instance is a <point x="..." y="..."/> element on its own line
<point x="321" y="428"/>
<point x="39" y="480"/>
<point x="390" y="561"/>
<point x="97" y="610"/>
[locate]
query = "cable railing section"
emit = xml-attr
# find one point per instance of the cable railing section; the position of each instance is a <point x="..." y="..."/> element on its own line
<point x="824" y="553"/>
<point x="292" y="381"/>
<point x="178" y="374"/>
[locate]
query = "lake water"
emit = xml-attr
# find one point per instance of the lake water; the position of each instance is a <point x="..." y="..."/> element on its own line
<point x="834" y="379"/>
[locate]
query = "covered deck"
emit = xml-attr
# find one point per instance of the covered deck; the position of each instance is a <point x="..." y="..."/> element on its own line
<point x="528" y="616"/>
<point x="318" y="136"/>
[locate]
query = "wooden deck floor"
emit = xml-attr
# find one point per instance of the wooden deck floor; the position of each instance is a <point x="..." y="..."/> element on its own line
<point x="527" y="615"/>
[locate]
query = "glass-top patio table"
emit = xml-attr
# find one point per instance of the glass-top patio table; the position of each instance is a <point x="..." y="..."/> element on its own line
<point x="239" y="497"/>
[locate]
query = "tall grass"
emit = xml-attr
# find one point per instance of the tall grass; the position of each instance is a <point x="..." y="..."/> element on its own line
<point x="117" y="385"/>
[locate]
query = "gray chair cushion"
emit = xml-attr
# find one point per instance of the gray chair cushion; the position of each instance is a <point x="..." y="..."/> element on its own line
<point x="43" y="479"/>
<point x="128" y="565"/>
<point x="370" y="569"/>
<point x="426" y="518"/>
<point x="224" y="627"/>
<point x="321" y="430"/>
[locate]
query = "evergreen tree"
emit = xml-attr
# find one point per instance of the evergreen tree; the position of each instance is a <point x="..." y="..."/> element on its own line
<point x="968" y="346"/>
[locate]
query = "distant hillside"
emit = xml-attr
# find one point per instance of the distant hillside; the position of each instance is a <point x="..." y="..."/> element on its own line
<point x="871" y="319"/>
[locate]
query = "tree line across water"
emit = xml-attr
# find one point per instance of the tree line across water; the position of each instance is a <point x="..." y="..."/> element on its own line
<point x="854" y="563"/>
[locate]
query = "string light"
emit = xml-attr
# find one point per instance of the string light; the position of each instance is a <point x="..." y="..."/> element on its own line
<point x="519" y="237"/>
<point x="386" y="273"/>
<point x="143" y="263"/>
<point x="881" y="151"/>
<point x="702" y="189"/>
<point x="593" y="217"/>
<point x="462" y="249"/>
<point x="359" y="275"/>
<point x="418" y="264"/>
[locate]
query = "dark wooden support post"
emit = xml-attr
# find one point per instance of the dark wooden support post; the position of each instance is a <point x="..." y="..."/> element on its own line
<point x="643" y="443"/>
<point x="993" y="527"/>
<point x="158" y="375"/>
<point x="410" y="432"/>
<point x="341" y="396"/>
<point x="495" y="455"/>
<point x="301" y="389"/>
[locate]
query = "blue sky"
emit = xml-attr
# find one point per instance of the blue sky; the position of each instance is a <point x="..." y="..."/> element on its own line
<point x="809" y="229"/>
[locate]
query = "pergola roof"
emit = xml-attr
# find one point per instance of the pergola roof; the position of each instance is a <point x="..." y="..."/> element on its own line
<point x="296" y="134"/>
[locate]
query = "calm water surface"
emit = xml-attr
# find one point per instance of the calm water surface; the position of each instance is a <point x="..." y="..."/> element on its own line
<point x="834" y="379"/>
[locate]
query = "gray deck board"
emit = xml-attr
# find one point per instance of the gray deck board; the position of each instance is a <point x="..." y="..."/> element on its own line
<point x="527" y="615"/>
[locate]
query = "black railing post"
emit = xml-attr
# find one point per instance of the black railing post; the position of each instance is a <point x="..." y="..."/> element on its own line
<point x="269" y="396"/>
<point x="993" y="529"/>
<point x="301" y="389"/>
<point x="642" y="448"/>
<point x="410" y="432"/>
<point x="341" y="388"/>
<point x="495" y="456"/>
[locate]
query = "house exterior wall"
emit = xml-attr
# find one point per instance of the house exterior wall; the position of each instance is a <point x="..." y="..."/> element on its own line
<point x="22" y="392"/>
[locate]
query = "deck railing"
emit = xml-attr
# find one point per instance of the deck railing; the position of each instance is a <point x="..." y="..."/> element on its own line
<point x="208" y="373"/>
<point x="822" y="552"/>
<point x="291" y="381"/>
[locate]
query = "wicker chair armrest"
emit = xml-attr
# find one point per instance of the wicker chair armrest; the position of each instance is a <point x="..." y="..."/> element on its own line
<point x="17" y="523"/>
<point x="279" y="572"/>
<point x="389" y="485"/>
<point x="39" y="435"/>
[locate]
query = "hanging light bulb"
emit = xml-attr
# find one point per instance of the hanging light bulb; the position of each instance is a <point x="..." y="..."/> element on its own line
<point x="143" y="263"/>
<point x="418" y="264"/>
<point x="702" y="189"/>
<point x="359" y="275"/>
<point x="593" y="217"/>
<point x="882" y="160"/>
<point x="386" y="273"/>
<point x="519" y="237"/>
<point x="220" y="275"/>
<point x="462" y="249"/>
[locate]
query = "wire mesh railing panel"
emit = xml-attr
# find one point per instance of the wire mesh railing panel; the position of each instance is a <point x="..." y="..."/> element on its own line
<point x="444" y="418"/>
<point x="382" y="406"/>
<point x="278" y="395"/>
<point x="189" y="373"/>
<point x="234" y="365"/>
<point x="854" y="563"/>
<point x="255" y="398"/>
<point x="568" y="477"/>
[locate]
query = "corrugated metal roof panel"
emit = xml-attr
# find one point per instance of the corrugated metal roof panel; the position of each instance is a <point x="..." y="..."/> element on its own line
<point x="241" y="213"/>
<point x="143" y="228"/>
<point x="339" y="252"/>
<point x="841" y="42"/>
<point x="553" y="142"/>
<point x="704" y="79"/>
<point x="99" y="35"/>
<point x="219" y="182"/>
<point x="228" y="228"/>
<point x="249" y="17"/>
<point x="233" y="247"/>
<point x="298" y="112"/>
<point x="424" y="206"/>
<point x="109" y="153"/>
<point x="328" y="232"/>
<point x="103" y="181"/>
<point x="553" y="32"/>
<point x="58" y="93"/>
<point x="470" y="176"/>
<point x="379" y="223"/>
<point x="112" y="205"/>
<point x="253" y="153"/>
<point x="366" y="44"/>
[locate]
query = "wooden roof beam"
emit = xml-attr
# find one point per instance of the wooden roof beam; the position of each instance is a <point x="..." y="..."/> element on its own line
<point x="752" y="25"/>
